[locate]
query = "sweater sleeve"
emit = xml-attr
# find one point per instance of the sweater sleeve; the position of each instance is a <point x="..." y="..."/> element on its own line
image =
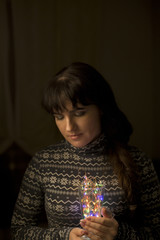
<point x="28" y="208"/>
<point x="147" y="219"/>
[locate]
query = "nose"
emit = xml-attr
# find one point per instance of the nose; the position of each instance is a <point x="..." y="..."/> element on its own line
<point x="70" y="124"/>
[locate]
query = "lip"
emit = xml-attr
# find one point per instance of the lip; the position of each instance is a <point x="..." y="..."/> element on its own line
<point x="74" y="136"/>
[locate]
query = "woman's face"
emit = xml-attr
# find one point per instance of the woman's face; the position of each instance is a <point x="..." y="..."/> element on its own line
<point x="80" y="125"/>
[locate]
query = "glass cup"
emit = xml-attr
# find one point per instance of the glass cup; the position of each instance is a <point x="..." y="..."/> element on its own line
<point x="91" y="198"/>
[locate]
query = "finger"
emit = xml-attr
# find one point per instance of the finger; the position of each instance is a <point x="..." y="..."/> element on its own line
<point x="78" y="232"/>
<point x="100" y="231"/>
<point x="93" y="236"/>
<point x="82" y="232"/>
<point x="108" y="222"/>
<point x="96" y="228"/>
<point x="106" y="212"/>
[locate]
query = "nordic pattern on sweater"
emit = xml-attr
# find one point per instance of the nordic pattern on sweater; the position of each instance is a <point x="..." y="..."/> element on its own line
<point x="52" y="180"/>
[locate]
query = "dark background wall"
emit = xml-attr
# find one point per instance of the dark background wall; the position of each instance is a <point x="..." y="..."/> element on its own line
<point x="119" y="38"/>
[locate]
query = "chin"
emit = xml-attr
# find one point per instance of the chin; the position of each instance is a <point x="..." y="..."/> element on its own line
<point x="78" y="144"/>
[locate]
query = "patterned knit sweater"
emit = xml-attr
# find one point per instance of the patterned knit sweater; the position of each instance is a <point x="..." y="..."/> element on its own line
<point x="52" y="179"/>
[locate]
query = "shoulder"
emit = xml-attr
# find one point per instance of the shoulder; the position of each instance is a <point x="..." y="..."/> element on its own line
<point x="142" y="160"/>
<point x="49" y="153"/>
<point x="136" y="153"/>
<point x="58" y="147"/>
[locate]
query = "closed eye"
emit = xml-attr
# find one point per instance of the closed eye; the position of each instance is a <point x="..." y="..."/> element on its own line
<point x="79" y="113"/>
<point x="58" y="116"/>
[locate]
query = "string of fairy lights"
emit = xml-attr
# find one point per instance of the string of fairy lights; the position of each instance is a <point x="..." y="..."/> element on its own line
<point x="91" y="197"/>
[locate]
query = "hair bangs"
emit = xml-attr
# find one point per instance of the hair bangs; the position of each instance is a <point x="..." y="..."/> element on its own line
<point x="61" y="93"/>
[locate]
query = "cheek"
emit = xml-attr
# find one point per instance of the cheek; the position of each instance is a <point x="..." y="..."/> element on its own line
<point x="96" y="120"/>
<point x="94" y="125"/>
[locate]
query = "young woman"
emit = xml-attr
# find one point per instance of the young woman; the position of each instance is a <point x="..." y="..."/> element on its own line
<point x="96" y="135"/>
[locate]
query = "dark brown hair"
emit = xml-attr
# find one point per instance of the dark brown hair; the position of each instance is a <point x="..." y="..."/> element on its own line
<point x="81" y="83"/>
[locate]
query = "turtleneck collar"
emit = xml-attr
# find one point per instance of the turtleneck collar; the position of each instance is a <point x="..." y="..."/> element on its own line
<point x="96" y="145"/>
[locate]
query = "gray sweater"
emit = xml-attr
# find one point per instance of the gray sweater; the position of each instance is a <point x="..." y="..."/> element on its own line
<point x="52" y="179"/>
